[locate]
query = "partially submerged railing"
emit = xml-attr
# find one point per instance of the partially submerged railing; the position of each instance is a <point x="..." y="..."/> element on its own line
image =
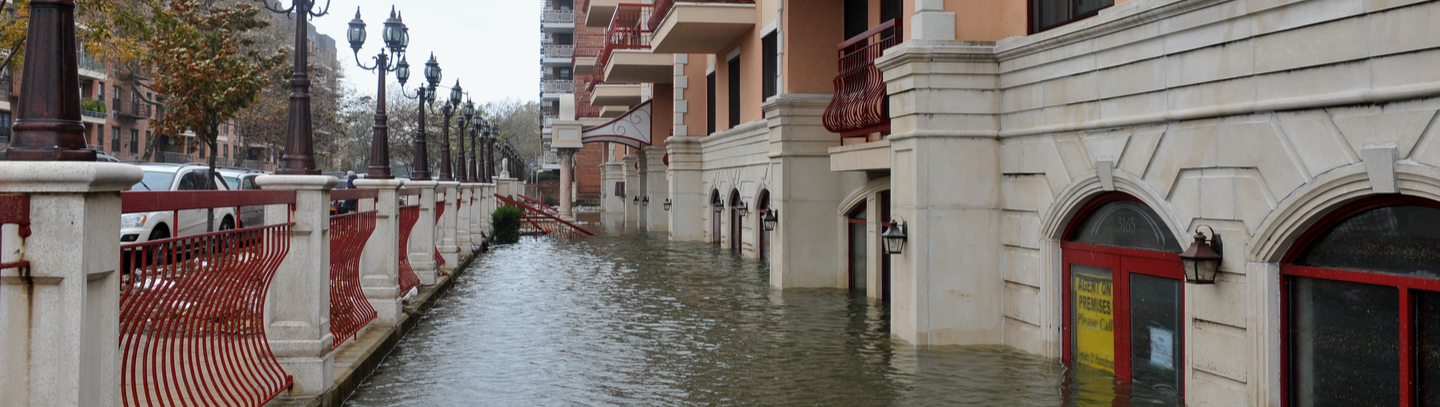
<point x="409" y="216"/>
<point x="349" y="310"/>
<point x="544" y="223"/>
<point x="629" y="29"/>
<point x="860" y="106"/>
<point x="540" y="205"/>
<point x="14" y="210"/>
<point x="192" y="308"/>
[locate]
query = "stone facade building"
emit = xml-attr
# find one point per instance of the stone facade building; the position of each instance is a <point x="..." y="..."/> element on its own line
<point x="1049" y="161"/>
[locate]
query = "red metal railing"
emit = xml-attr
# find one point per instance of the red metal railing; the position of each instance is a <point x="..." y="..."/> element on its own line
<point x="409" y="216"/>
<point x="629" y="29"/>
<point x="192" y="308"/>
<point x="544" y="223"/>
<point x="860" y="106"/>
<point x="662" y="8"/>
<point x="539" y="204"/>
<point x="349" y="310"/>
<point x="439" y="211"/>
<point x="15" y="210"/>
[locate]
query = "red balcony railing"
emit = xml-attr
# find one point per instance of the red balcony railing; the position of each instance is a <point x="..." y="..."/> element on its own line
<point x="409" y="216"/>
<point x="629" y="29"/>
<point x="860" y="105"/>
<point x="662" y="8"/>
<point x="192" y="308"/>
<point x="349" y="310"/>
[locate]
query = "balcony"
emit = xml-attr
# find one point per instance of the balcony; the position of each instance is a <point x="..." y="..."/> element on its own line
<point x="137" y="110"/>
<point x="558" y="86"/>
<point x="90" y="68"/>
<point x="626" y="56"/>
<point x="558" y="18"/>
<point x="611" y="112"/>
<point x="615" y="95"/>
<point x="560" y="51"/>
<point x="860" y="105"/>
<point x="93" y="111"/>
<point x="599" y="12"/>
<point x="584" y="66"/>
<point x="700" y="26"/>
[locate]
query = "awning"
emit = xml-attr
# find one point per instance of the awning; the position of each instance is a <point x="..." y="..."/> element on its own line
<point x="632" y="128"/>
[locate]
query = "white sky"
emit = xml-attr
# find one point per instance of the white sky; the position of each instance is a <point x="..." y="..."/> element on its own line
<point x="491" y="46"/>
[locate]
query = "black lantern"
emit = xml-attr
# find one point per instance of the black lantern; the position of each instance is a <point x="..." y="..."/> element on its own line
<point x="432" y="71"/>
<point x="770" y="220"/>
<point x="469" y="110"/>
<point x="667" y="204"/>
<point x="717" y="207"/>
<point x="402" y="71"/>
<point x="743" y="209"/>
<point x="456" y="94"/>
<point x="894" y="237"/>
<point x="645" y="202"/>
<point x="636" y="199"/>
<point x="356" y="33"/>
<point x="1202" y="259"/>
<point x="395" y="34"/>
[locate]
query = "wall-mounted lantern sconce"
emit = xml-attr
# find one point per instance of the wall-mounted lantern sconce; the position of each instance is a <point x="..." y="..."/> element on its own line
<point x="771" y="219"/>
<point x="1202" y="259"/>
<point x="717" y="208"/>
<point x="894" y="237"/>
<point x="636" y="200"/>
<point x="667" y="204"/>
<point x="744" y="210"/>
<point x="645" y="202"/>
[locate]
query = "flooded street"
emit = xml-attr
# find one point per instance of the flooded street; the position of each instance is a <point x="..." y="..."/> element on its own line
<point x="638" y="320"/>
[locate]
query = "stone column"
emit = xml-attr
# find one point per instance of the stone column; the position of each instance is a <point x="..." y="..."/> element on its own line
<point x="688" y="200"/>
<point x="632" y="190"/>
<point x="487" y="198"/>
<point x="567" y="171"/>
<point x="933" y="302"/>
<point x="445" y="228"/>
<point x="462" y="219"/>
<point x="657" y="188"/>
<point x="299" y="299"/>
<point x="477" y="205"/>
<point x="611" y="173"/>
<point x="422" y="238"/>
<point x="60" y="317"/>
<point x="380" y="262"/>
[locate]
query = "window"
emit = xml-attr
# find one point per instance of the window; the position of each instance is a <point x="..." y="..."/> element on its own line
<point x="771" y="70"/>
<point x="1047" y="14"/>
<point x="564" y="39"/>
<point x="565" y="4"/>
<point x="1363" y="306"/>
<point x="735" y="220"/>
<point x="563" y="74"/>
<point x="734" y="83"/>
<point x="202" y="150"/>
<point x="226" y="150"/>
<point x="134" y="141"/>
<point x="710" y="103"/>
<point x="115" y="140"/>
<point x="1124" y="295"/>
<point x="100" y="91"/>
<point x="857" y="17"/>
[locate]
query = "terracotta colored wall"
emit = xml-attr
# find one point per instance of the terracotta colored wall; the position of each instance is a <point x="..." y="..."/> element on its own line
<point x="812" y="29"/>
<point x="662" y="117"/>
<point x="695" y="96"/>
<point x="987" y="20"/>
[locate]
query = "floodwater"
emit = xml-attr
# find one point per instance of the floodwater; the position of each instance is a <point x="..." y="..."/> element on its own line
<point x="632" y="319"/>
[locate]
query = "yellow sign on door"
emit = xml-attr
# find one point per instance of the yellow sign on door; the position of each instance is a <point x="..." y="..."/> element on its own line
<point x="1094" y="322"/>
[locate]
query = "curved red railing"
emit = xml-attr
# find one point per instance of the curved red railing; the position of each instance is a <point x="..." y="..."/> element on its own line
<point x="192" y="308"/>
<point x="409" y="216"/>
<point x="859" y="105"/>
<point x="349" y="310"/>
<point x="629" y="29"/>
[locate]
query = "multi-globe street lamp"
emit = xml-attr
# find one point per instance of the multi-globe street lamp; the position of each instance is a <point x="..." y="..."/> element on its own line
<point x="390" y="59"/>
<point x="299" y="158"/>
<point x="473" y="169"/>
<point x="424" y="96"/>
<point x="491" y="135"/>
<point x="449" y="110"/>
<point x="467" y="114"/>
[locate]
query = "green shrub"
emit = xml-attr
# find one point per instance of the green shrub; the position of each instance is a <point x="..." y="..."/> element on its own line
<point x="550" y="200"/>
<point x="506" y="221"/>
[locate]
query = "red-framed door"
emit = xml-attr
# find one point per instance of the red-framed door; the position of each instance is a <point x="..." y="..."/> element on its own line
<point x="857" y="240"/>
<point x="1097" y="293"/>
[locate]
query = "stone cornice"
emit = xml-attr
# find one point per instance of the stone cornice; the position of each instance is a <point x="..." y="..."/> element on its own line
<point x="1098" y="26"/>
<point x="915" y="51"/>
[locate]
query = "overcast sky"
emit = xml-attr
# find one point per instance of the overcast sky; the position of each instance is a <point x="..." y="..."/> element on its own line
<point x="491" y="46"/>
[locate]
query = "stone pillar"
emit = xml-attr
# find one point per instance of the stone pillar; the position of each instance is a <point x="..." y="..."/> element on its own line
<point x="464" y="192"/>
<point x="380" y="262"/>
<point x="806" y="245"/>
<point x="507" y="186"/>
<point x="445" y="228"/>
<point x="298" y="303"/>
<point x="611" y="173"/>
<point x="657" y="188"/>
<point x="688" y="200"/>
<point x="422" y="238"/>
<point x="477" y="205"/>
<point x="567" y="171"/>
<point x="933" y="302"/>
<point x="931" y="21"/>
<point x="487" y="198"/>
<point x="60" y="317"/>
<point x="632" y="190"/>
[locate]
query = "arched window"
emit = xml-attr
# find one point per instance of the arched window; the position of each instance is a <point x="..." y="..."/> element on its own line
<point x="1362" y="306"/>
<point x="1124" y="296"/>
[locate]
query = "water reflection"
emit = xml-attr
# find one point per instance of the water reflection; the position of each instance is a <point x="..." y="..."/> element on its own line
<point x="637" y="320"/>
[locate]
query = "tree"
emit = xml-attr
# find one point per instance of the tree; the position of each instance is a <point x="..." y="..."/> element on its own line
<point x="197" y="58"/>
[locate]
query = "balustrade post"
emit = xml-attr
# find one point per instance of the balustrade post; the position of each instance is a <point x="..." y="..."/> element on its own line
<point x="462" y="218"/>
<point x="477" y="214"/>
<point x="380" y="262"/>
<point x="422" y="238"/>
<point x="299" y="297"/>
<point x="60" y="315"/>
<point x="445" y="230"/>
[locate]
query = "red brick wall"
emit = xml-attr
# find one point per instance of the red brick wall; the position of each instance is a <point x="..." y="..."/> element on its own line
<point x="587" y="170"/>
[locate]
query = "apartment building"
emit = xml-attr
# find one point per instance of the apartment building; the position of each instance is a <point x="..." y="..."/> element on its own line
<point x="1048" y="162"/>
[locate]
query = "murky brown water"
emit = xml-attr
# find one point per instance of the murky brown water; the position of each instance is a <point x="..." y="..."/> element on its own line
<point x="637" y="320"/>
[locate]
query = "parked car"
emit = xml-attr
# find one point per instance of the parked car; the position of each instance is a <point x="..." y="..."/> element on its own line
<point x="147" y="226"/>
<point x="343" y="206"/>
<point x="243" y="179"/>
<point x="102" y="157"/>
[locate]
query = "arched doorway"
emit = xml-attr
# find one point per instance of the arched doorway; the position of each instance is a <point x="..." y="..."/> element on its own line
<point x="762" y="206"/>
<point x="1124" y="294"/>
<point x="859" y="247"/>
<point x="715" y="208"/>
<point x="1361" y="306"/>
<point x="735" y="221"/>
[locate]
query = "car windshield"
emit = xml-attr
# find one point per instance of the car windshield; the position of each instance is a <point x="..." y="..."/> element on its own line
<point x="154" y="181"/>
<point x="231" y="182"/>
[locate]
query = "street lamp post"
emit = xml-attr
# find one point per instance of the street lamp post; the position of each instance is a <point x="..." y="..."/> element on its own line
<point x="467" y="114"/>
<point x="390" y="59"/>
<point x="299" y="158"/>
<point x="490" y="153"/>
<point x="449" y="110"/>
<point x="473" y="167"/>
<point x="425" y="96"/>
<point x="47" y="125"/>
